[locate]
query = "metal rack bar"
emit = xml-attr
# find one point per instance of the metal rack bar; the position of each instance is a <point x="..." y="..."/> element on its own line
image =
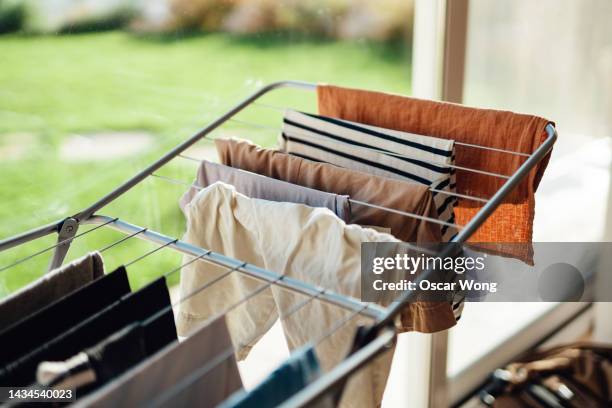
<point x="88" y="212"/>
<point x="59" y="243"/>
<point x="67" y="231"/>
<point x="129" y="184"/>
<point x="373" y="311"/>
<point x="228" y="353"/>
<point x="479" y="218"/>
<point x="31" y="235"/>
<point x="509" y="185"/>
<point x="338" y="374"/>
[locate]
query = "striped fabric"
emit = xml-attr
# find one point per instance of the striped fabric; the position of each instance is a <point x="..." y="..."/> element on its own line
<point x="378" y="151"/>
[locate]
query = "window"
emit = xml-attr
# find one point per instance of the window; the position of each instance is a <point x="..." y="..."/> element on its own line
<point x="92" y="91"/>
<point x="551" y="59"/>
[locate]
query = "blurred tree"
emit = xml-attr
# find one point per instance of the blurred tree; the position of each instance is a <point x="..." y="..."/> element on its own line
<point x="12" y="15"/>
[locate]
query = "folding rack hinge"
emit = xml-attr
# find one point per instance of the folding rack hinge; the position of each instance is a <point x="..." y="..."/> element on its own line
<point x="64" y="238"/>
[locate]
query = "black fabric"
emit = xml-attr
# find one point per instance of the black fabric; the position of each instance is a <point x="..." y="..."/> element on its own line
<point x="116" y="354"/>
<point x="131" y="308"/>
<point x="159" y="331"/>
<point x="44" y="325"/>
<point x="132" y="345"/>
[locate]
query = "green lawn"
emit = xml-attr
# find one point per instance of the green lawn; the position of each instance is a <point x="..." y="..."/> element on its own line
<point x="53" y="88"/>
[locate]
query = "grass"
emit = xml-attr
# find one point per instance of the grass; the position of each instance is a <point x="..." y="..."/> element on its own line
<point x="54" y="87"/>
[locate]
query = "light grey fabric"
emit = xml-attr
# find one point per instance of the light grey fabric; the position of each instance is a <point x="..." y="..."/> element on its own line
<point x="254" y="185"/>
<point x="49" y="288"/>
<point x="142" y="384"/>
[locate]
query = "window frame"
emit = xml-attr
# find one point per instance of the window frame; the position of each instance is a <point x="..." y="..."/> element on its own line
<point x="438" y="70"/>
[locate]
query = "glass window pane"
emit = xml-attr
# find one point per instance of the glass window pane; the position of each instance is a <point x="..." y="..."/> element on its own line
<point x="551" y="58"/>
<point x="92" y="91"/>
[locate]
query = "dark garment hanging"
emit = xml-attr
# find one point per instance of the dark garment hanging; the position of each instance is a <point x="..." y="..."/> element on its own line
<point x="178" y="363"/>
<point x="105" y="361"/>
<point x="90" y="369"/>
<point x="296" y="373"/>
<point x="129" y="309"/>
<point x="62" y="315"/>
<point x="49" y="288"/>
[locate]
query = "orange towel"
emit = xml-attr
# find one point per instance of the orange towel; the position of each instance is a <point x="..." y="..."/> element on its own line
<point x="512" y="222"/>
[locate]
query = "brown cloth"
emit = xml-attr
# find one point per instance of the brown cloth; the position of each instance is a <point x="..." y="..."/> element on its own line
<point x="422" y="316"/>
<point x="396" y="194"/>
<point x="49" y="288"/>
<point x="585" y="368"/>
<point x="512" y="222"/>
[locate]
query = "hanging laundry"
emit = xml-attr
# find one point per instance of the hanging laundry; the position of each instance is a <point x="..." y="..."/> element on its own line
<point x="381" y="191"/>
<point x="60" y="316"/>
<point x="293" y="375"/>
<point x="309" y="244"/>
<point x="378" y="151"/>
<point x="50" y="287"/>
<point x="512" y="221"/>
<point x="166" y="369"/>
<point x="130" y="308"/>
<point x="105" y="361"/>
<point x="257" y="186"/>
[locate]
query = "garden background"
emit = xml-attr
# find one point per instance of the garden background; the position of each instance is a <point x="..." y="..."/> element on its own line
<point x="92" y="91"/>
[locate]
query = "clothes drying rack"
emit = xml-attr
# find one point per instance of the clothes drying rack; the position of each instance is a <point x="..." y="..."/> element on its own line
<point x="380" y="335"/>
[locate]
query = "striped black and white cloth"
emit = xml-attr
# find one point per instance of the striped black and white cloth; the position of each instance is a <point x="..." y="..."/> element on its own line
<point x="378" y="151"/>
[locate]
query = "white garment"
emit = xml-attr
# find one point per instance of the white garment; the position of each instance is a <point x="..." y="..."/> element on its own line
<point x="305" y="243"/>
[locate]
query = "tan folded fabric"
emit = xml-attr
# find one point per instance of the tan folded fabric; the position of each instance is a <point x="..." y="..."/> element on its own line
<point x="49" y="288"/>
<point x="512" y="222"/>
<point x="396" y="194"/>
<point x="422" y="316"/>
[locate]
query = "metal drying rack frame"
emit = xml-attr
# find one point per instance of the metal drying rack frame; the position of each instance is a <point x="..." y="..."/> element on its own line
<point x="66" y="230"/>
